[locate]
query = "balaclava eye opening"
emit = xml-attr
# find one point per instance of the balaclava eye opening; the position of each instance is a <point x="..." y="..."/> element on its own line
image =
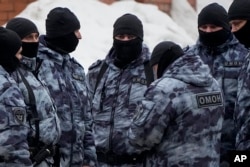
<point x="24" y="27"/>
<point x="239" y="10"/>
<point x="127" y="51"/>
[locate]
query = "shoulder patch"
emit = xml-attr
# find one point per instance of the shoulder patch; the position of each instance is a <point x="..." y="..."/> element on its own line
<point x="209" y="99"/>
<point x="96" y="64"/>
<point x="138" y="113"/>
<point x="19" y="114"/>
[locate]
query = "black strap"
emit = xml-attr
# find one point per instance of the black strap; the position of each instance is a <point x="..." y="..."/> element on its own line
<point x="1" y="158"/>
<point x="32" y="101"/>
<point x="57" y="156"/>
<point x="147" y="68"/>
<point x="149" y="73"/>
<point x="100" y="74"/>
<point x="38" y="65"/>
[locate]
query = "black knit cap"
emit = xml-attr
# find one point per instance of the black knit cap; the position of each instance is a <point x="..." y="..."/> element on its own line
<point x="214" y="14"/>
<point x="22" y="26"/>
<point x="163" y="50"/>
<point x="128" y="24"/>
<point x="60" y="22"/>
<point x="10" y="43"/>
<point x="164" y="54"/>
<point x="239" y="9"/>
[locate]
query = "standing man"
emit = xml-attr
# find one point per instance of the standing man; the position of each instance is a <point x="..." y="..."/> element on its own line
<point x="42" y="118"/>
<point x="239" y="17"/>
<point x="116" y="84"/>
<point x="65" y="79"/>
<point x="223" y="53"/>
<point x="14" y="149"/>
<point x="174" y="119"/>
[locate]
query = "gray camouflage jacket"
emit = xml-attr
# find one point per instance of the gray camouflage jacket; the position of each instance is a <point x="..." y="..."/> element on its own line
<point x="243" y="107"/>
<point x="115" y="99"/>
<point x="13" y="130"/>
<point x="180" y="117"/>
<point x="49" y="127"/>
<point x="225" y="62"/>
<point x="65" y="78"/>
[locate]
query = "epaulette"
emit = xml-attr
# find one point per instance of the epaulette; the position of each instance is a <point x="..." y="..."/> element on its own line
<point x="76" y="62"/>
<point x="95" y="64"/>
<point x="185" y="49"/>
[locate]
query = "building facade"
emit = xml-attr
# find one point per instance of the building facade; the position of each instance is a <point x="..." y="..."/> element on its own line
<point x="11" y="8"/>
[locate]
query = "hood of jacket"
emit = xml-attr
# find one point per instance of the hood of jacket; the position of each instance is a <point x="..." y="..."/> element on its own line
<point x="190" y="69"/>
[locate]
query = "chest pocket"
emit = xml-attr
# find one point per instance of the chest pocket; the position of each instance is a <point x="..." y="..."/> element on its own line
<point x="137" y="89"/>
<point x="231" y="69"/>
<point x="79" y="83"/>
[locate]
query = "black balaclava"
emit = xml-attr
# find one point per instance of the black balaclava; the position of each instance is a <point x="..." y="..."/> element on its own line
<point x="61" y="24"/>
<point x="214" y="14"/>
<point x="243" y="34"/>
<point x="10" y="43"/>
<point x="240" y="10"/>
<point x="164" y="54"/>
<point x="127" y="51"/>
<point x="24" y="27"/>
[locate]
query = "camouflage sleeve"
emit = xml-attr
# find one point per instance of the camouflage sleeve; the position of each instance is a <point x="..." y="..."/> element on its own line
<point x="90" y="157"/>
<point x="149" y="122"/>
<point x="49" y="127"/>
<point x="242" y="110"/>
<point x="14" y="147"/>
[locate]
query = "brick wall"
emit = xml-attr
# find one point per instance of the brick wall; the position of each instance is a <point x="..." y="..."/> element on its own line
<point x="164" y="5"/>
<point x="192" y="3"/>
<point x="10" y="8"/>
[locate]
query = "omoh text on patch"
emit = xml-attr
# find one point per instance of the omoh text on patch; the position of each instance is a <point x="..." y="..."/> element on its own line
<point x="209" y="99"/>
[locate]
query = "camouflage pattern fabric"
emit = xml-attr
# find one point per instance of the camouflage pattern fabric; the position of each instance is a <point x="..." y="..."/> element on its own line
<point x="49" y="127"/>
<point x="242" y="112"/>
<point x="65" y="78"/>
<point x="115" y="100"/>
<point x="13" y="144"/>
<point x="225" y="62"/>
<point x="180" y="117"/>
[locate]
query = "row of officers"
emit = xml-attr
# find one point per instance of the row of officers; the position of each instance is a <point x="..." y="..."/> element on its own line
<point x="174" y="107"/>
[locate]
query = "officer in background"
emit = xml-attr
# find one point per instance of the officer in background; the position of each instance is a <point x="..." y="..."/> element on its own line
<point x="42" y="118"/>
<point x="181" y="114"/>
<point x="224" y="54"/>
<point x="65" y="79"/>
<point x="14" y="150"/>
<point x="239" y="15"/>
